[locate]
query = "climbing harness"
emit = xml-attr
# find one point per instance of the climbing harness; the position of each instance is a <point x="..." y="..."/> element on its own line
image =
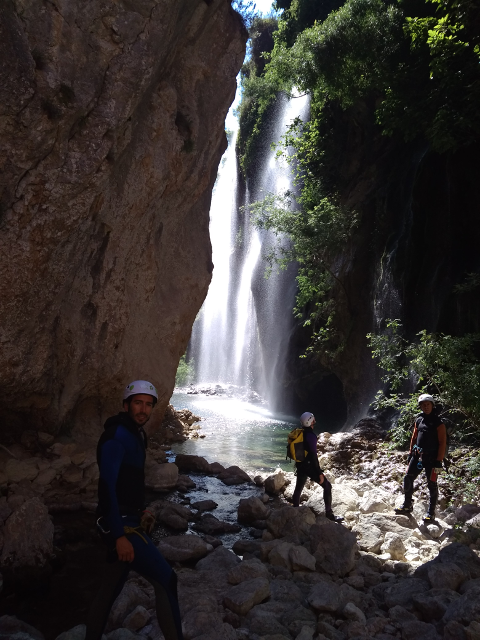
<point x="418" y="451"/>
<point x="135" y="530"/>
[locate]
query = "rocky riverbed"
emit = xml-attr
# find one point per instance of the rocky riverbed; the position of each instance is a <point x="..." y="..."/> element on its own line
<point x="250" y="566"/>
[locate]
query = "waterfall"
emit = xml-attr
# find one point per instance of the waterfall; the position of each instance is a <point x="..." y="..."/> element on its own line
<point x="242" y="333"/>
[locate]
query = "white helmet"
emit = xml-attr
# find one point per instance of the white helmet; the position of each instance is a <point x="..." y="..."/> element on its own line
<point x="426" y="397"/>
<point x="307" y="419"/>
<point x="140" y="387"/>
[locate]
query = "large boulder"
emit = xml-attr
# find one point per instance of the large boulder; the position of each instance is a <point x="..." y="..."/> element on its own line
<point x="172" y="514"/>
<point x="370" y="537"/>
<point x="112" y="130"/>
<point x="251" y="509"/>
<point x="292" y="523"/>
<point x="250" y="569"/>
<point x="334" y="548"/>
<point x="187" y="547"/>
<point x="161" y="476"/>
<point x="221" y="559"/>
<point x="209" y="524"/>
<point x="433" y="604"/>
<point x="233" y="475"/>
<point x="242" y="597"/>
<point x="402" y="593"/>
<point x="275" y="482"/>
<point x="191" y="463"/>
<point x="28" y="536"/>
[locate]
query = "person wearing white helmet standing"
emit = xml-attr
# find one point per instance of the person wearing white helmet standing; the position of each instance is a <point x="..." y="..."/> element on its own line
<point x="310" y="468"/>
<point x="426" y="451"/>
<point x="123" y="523"/>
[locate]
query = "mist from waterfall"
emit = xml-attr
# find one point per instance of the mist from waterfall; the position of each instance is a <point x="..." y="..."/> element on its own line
<point x="242" y="333"/>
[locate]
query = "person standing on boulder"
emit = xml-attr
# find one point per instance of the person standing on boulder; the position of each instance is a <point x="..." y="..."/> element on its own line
<point x="427" y="451"/>
<point x="310" y="468"/>
<point x="123" y="524"/>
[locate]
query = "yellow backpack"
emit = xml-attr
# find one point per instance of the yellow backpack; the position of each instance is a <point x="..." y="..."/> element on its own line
<point x="295" y="445"/>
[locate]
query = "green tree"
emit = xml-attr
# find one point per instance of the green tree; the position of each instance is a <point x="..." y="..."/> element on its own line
<point x="185" y="372"/>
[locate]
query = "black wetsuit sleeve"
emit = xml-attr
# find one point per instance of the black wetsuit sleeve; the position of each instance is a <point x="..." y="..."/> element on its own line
<point x="113" y="453"/>
<point x="310" y="442"/>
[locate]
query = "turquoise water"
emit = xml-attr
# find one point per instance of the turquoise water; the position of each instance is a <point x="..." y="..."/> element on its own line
<point x="237" y="432"/>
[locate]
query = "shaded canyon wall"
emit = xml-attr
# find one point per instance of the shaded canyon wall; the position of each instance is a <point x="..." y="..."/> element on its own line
<point x="111" y="130"/>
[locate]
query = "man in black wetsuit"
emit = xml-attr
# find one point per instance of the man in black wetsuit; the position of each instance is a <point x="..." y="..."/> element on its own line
<point x="123" y="523"/>
<point x="427" y="450"/>
<point x="310" y="468"/>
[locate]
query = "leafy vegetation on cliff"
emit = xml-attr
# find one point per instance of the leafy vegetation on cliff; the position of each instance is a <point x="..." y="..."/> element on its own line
<point x="401" y="69"/>
<point x="445" y="366"/>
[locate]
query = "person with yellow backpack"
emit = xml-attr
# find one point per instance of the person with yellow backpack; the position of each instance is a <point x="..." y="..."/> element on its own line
<point x="302" y="448"/>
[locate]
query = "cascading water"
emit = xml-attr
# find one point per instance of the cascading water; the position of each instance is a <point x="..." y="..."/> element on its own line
<point x="242" y="333"/>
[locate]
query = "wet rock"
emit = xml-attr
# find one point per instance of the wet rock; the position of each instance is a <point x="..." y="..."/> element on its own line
<point x="251" y="509"/>
<point x="325" y="596"/>
<point x="17" y="471"/>
<point x="275" y="482"/>
<point x="28" y="536"/>
<point x="250" y="569"/>
<point x="209" y="524"/>
<point x="433" y="603"/>
<point x="394" y="545"/>
<point x="77" y="632"/>
<point x="172" y="514"/>
<point x="136" y="619"/>
<point x="334" y="548"/>
<point x="233" y="475"/>
<point x="185" y="481"/>
<point x="216" y="468"/>
<point x="190" y="463"/>
<point x="293" y="523"/>
<point x="220" y="559"/>
<point x="241" y="598"/>
<point x="183" y="548"/>
<point x="211" y="540"/>
<point x="204" y="506"/>
<point x="10" y="626"/>
<point x="161" y="476"/>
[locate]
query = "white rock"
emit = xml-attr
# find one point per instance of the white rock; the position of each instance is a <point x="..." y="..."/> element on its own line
<point x="394" y="545"/>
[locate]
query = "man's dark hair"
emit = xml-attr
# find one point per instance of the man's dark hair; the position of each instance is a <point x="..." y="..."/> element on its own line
<point x="129" y="399"/>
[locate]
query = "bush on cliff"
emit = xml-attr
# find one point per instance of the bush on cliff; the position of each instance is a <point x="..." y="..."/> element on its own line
<point x="445" y="366"/>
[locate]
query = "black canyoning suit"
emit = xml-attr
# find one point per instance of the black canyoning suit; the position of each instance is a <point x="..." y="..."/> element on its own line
<point x="429" y="435"/>
<point x="310" y="468"/>
<point x="121" y="460"/>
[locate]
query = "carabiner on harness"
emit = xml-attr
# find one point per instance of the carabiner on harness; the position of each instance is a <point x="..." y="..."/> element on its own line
<point x="418" y="451"/>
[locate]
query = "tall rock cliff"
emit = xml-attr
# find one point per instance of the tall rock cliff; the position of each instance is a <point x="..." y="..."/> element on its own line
<point x="111" y="130"/>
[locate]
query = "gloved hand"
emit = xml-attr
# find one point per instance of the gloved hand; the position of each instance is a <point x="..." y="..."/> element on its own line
<point x="147" y="521"/>
<point x="438" y="467"/>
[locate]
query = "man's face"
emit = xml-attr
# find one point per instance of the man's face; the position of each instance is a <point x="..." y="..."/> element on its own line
<point x="140" y="408"/>
<point x="426" y="407"/>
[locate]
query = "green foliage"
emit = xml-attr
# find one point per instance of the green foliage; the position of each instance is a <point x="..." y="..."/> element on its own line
<point x="445" y="366"/>
<point x="317" y="232"/>
<point x="185" y="372"/>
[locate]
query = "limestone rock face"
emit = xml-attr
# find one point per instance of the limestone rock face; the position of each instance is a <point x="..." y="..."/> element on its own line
<point x="111" y="129"/>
